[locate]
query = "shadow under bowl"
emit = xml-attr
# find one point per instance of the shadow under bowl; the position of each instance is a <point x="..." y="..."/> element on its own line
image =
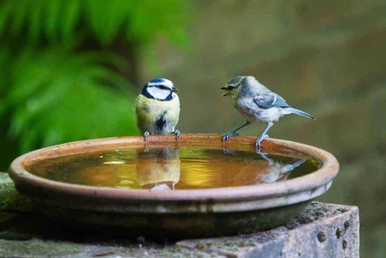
<point x="179" y="213"/>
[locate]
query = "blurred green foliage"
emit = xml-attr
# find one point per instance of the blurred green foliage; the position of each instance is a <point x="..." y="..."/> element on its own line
<point x="64" y="65"/>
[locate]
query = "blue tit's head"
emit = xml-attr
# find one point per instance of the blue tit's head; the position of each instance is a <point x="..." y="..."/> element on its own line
<point x="159" y="89"/>
<point x="233" y="86"/>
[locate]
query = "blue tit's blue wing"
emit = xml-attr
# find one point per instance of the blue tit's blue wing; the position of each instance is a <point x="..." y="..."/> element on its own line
<point x="269" y="100"/>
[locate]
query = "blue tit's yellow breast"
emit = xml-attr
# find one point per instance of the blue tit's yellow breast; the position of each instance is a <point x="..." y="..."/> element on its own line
<point x="153" y="115"/>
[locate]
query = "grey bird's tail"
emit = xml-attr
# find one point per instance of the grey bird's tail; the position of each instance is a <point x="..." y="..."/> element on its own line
<point x="301" y="113"/>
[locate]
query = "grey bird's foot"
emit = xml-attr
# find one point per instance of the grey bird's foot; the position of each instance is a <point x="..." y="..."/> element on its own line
<point x="264" y="156"/>
<point x="145" y="135"/>
<point x="288" y="168"/>
<point x="177" y="133"/>
<point x="259" y="141"/>
<point x="226" y="136"/>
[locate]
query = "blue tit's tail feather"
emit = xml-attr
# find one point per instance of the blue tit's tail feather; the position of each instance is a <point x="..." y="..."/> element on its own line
<point x="301" y="113"/>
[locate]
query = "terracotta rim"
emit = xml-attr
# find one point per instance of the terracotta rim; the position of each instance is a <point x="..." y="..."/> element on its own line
<point x="320" y="178"/>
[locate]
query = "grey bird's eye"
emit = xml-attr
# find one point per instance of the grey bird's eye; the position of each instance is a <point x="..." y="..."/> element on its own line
<point x="232" y="87"/>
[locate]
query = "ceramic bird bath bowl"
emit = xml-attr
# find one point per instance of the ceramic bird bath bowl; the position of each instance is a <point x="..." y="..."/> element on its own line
<point x="196" y="186"/>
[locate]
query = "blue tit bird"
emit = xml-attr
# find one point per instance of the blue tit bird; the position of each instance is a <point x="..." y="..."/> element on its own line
<point x="158" y="108"/>
<point x="257" y="103"/>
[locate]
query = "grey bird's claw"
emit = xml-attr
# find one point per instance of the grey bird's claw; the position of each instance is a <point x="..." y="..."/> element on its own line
<point x="145" y="135"/>
<point x="260" y="140"/>
<point x="264" y="156"/>
<point x="177" y="133"/>
<point x="226" y="136"/>
<point x="290" y="167"/>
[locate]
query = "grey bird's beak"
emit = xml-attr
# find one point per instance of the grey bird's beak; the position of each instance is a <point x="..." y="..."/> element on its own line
<point x="174" y="89"/>
<point x="226" y="93"/>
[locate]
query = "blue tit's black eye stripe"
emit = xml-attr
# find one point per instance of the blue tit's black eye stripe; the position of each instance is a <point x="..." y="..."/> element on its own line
<point x="149" y="96"/>
<point x="162" y="87"/>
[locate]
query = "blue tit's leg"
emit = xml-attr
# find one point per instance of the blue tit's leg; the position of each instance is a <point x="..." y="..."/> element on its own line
<point x="263" y="135"/>
<point x="227" y="151"/>
<point x="226" y="136"/>
<point x="145" y="135"/>
<point x="177" y="133"/>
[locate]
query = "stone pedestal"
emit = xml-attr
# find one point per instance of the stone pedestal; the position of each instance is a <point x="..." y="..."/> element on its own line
<point x="321" y="230"/>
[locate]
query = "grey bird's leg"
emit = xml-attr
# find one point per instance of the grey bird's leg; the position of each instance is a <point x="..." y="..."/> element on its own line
<point x="145" y="135"/>
<point x="264" y="156"/>
<point x="263" y="135"/>
<point x="226" y="136"/>
<point x="288" y="168"/>
<point x="177" y="133"/>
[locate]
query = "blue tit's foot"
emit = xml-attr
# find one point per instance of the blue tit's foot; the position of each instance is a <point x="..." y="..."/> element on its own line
<point x="227" y="151"/>
<point x="145" y="135"/>
<point x="177" y="133"/>
<point x="259" y="141"/>
<point x="226" y="136"/>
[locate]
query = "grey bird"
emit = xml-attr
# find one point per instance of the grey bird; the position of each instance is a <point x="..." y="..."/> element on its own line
<point x="257" y="103"/>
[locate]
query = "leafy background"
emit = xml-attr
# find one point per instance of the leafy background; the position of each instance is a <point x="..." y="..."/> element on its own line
<point x="69" y="67"/>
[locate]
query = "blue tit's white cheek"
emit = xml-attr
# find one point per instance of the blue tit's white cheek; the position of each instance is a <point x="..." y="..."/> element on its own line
<point x="158" y="93"/>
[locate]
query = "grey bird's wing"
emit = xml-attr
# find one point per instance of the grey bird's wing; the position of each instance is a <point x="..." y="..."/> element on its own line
<point x="269" y="100"/>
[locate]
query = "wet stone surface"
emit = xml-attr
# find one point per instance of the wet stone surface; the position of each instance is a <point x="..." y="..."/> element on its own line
<point x="321" y="230"/>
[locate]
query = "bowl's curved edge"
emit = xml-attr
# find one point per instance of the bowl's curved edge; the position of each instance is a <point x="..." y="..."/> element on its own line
<point x="232" y="199"/>
<point x="172" y="226"/>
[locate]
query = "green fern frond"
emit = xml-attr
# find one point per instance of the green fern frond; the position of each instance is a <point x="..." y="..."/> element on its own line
<point x="71" y="16"/>
<point x="52" y="89"/>
<point x="62" y="20"/>
<point x="59" y="97"/>
<point x="5" y="13"/>
<point x="115" y="15"/>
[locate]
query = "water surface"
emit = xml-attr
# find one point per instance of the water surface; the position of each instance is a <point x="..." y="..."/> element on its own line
<point x="160" y="168"/>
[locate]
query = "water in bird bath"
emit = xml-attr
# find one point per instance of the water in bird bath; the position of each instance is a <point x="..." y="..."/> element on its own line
<point x="168" y="168"/>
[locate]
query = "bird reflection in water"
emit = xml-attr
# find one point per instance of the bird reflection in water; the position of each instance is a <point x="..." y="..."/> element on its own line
<point x="167" y="168"/>
<point x="158" y="169"/>
<point x="262" y="171"/>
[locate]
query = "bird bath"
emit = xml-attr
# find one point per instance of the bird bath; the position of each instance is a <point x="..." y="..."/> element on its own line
<point x="196" y="186"/>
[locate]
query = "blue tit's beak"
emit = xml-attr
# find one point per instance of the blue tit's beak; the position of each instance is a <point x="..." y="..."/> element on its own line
<point x="174" y="89"/>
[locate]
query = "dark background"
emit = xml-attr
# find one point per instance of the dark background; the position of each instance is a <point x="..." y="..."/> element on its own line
<point x="70" y="70"/>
